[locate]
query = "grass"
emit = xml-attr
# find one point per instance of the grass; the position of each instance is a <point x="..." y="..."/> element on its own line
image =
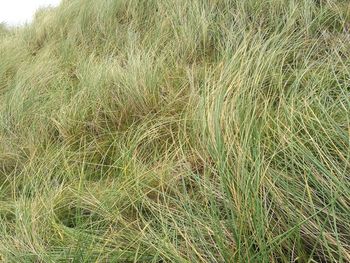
<point x="176" y="131"/>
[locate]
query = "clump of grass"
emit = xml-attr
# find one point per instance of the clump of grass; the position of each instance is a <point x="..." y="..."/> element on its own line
<point x="176" y="131"/>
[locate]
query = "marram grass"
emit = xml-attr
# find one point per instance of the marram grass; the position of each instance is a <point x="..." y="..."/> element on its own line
<point x="176" y="131"/>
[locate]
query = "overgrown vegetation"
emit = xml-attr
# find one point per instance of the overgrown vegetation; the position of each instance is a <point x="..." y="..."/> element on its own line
<point x="176" y="131"/>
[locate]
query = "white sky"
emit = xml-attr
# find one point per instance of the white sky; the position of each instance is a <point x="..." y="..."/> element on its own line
<point x="15" y="12"/>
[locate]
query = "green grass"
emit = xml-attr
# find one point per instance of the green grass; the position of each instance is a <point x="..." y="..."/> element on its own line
<point x="176" y="131"/>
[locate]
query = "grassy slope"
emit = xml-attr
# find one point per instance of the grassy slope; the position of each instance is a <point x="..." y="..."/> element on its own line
<point x="176" y="131"/>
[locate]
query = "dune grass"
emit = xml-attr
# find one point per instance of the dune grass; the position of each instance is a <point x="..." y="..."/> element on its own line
<point x="176" y="131"/>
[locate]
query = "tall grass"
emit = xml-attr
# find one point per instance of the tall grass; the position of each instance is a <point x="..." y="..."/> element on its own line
<point x="176" y="131"/>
